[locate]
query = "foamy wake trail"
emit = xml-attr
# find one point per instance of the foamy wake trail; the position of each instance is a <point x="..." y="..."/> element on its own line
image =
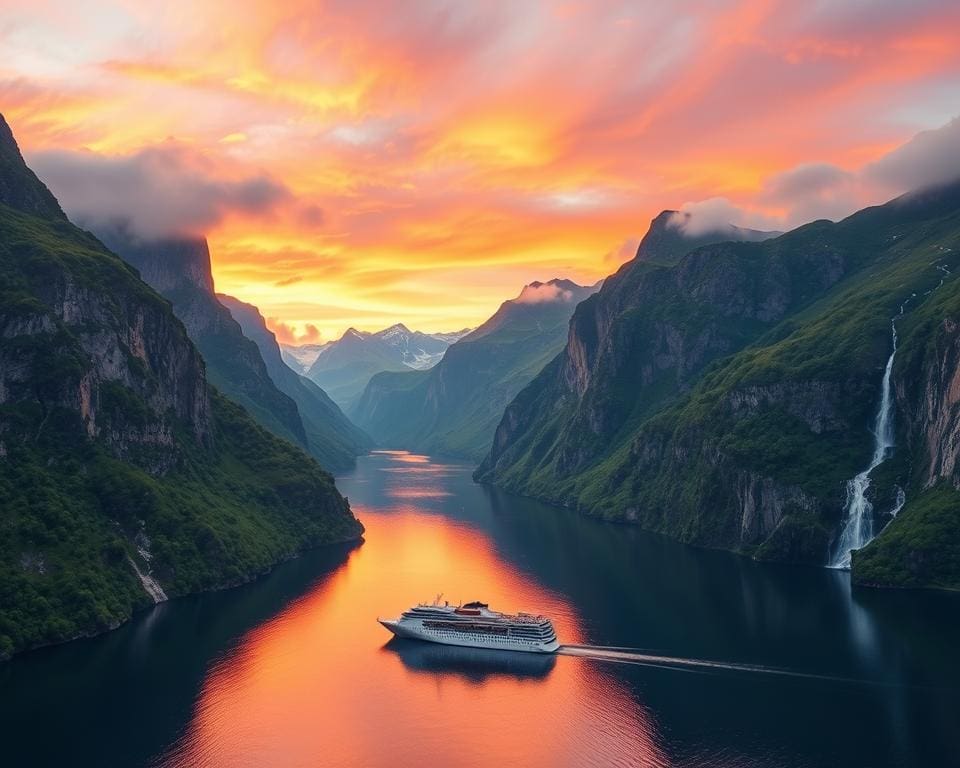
<point x="637" y="656"/>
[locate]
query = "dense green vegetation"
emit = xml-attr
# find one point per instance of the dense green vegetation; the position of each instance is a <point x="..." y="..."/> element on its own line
<point x="73" y="515"/>
<point x="747" y="441"/>
<point x="116" y="456"/>
<point x="920" y="548"/>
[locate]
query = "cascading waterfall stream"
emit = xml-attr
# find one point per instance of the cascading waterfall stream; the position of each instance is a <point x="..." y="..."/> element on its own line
<point x="858" y="528"/>
<point x="858" y="525"/>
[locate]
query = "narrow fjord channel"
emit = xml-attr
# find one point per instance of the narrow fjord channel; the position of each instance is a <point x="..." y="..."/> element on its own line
<point x="687" y="657"/>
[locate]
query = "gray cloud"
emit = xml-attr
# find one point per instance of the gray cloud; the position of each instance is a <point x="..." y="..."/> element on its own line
<point x="823" y="191"/>
<point x="715" y="214"/>
<point x="156" y="192"/>
<point x="929" y="158"/>
<point x="805" y="180"/>
<point x="813" y="191"/>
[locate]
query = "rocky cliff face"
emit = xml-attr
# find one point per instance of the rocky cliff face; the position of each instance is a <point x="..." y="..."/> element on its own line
<point x="931" y="405"/>
<point x="652" y="329"/>
<point x="113" y="341"/>
<point x="179" y="269"/>
<point x="167" y="265"/>
<point x="75" y="347"/>
<point x="726" y="398"/>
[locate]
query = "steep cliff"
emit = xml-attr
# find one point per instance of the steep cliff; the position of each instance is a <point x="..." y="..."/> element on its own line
<point x="124" y="477"/>
<point x="179" y="269"/>
<point x="19" y="187"/>
<point x="331" y="438"/>
<point x="726" y="398"/>
<point x="453" y="408"/>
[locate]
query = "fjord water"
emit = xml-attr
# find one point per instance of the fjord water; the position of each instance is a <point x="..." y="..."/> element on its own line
<point x="293" y="670"/>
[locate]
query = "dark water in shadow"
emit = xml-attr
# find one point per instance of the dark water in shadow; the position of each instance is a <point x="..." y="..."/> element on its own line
<point x="293" y="670"/>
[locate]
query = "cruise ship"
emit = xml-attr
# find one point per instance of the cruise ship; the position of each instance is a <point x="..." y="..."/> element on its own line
<point x="474" y="625"/>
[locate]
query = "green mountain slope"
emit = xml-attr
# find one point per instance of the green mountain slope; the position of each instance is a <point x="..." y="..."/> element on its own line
<point x="124" y="477"/>
<point x="453" y="408"/>
<point x="726" y="399"/>
<point x="331" y="438"/>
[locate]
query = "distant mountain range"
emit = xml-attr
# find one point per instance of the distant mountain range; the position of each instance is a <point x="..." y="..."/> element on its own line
<point x="125" y="476"/>
<point x="343" y="367"/>
<point x="453" y="408"/>
<point x="299" y="358"/>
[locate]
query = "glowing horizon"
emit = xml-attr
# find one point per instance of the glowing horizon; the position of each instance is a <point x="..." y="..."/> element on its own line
<point x="354" y="166"/>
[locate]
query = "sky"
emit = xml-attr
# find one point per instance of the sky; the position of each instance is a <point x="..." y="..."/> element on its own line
<point x="365" y="163"/>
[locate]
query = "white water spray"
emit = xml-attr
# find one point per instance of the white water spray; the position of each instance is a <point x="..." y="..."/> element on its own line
<point x="858" y="526"/>
<point x="150" y="585"/>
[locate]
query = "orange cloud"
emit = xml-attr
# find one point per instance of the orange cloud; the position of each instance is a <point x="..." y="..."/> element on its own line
<point x="290" y="334"/>
<point x="436" y="159"/>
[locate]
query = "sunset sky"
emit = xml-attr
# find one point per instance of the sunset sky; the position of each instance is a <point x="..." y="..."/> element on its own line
<point x="353" y="163"/>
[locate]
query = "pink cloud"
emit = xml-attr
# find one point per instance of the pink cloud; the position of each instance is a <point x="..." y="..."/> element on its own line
<point x="287" y="333"/>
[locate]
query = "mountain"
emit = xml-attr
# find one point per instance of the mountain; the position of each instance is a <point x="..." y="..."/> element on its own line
<point x="331" y="437"/>
<point x="415" y="349"/>
<point x="727" y="398"/>
<point x="125" y="477"/>
<point x="671" y="236"/>
<point x="344" y="367"/>
<point x="453" y="408"/>
<point x="449" y="338"/>
<point x="300" y="358"/>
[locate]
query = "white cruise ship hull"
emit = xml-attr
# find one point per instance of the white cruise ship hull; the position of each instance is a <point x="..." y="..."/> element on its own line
<point x="413" y="629"/>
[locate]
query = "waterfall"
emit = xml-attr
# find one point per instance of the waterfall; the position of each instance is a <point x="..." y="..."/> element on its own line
<point x="858" y="523"/>
<point x="150" y="585"/>
<point x="858" y="526"/>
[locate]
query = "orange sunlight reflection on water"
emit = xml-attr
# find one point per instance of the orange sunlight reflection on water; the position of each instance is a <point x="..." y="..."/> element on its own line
<point x="315" y="685"/>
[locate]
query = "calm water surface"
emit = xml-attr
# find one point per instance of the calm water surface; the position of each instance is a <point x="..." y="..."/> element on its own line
<point x="293" y="670"/>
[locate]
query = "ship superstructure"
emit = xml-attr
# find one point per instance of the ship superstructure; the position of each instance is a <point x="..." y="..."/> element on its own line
<point x="474" y="625"/>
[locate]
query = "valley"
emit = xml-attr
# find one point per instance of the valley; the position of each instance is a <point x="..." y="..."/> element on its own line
<point x="544" y="384"/>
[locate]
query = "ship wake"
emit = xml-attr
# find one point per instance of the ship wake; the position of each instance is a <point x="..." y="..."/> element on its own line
<point x="619" y="655"/>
